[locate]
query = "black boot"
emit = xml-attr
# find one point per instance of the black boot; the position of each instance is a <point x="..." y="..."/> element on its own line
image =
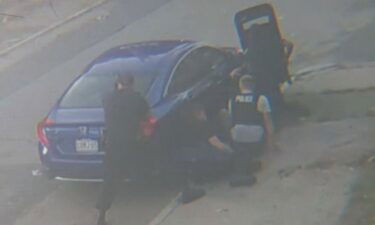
<point x="191" y="194"/>
<point x="101" y="218"/>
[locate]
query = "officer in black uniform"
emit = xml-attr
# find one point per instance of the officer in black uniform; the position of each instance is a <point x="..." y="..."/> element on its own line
<point x="252" y="126"/>
<point x="124" y="111"/>
<point x="201" y="148"/>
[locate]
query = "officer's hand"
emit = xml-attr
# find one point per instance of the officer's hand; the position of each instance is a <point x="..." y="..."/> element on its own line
<point x="236" y="72"/>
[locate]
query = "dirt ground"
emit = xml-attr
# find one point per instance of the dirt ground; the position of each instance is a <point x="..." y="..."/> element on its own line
<point x="21" y="18"/>
<point x="353" y="45"/>
<point x="338" y="107"/>
<point x="361" y="210"/>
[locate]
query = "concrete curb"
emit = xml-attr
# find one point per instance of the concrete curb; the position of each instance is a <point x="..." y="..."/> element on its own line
<point x="166" y="212"/>
<point x="51" y="28"/>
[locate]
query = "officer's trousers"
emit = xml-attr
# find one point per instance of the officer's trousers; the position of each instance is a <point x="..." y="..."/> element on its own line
<point x="112" y="180"/>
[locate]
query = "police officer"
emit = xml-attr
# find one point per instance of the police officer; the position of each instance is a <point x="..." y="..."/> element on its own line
<point x="252" y="127"/>
<point x="124" y="111"/>
<point x="201" y="148"/>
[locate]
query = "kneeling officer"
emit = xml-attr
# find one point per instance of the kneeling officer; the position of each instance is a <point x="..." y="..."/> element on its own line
<point x="252" y="127"/>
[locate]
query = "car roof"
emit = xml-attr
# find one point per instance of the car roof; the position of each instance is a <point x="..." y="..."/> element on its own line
<point x="138" y="58"/>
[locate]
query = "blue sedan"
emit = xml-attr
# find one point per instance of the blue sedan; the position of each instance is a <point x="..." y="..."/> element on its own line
<point x="168" y="73"/>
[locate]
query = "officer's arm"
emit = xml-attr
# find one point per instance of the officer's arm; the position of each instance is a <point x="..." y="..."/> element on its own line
<point x="265" y="108"/>
<point x="288" y="45"/>
<point x="219" y="145"/>
<point x="236" y="72"/>
<point x="269" y="129"/>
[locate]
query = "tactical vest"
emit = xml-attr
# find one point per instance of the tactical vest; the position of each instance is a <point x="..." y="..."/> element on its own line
<point x="243" y="110"/>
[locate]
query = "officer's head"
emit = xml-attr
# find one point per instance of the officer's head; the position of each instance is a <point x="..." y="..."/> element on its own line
<point x="124" y="81"/>
<point x="247" y="83"/>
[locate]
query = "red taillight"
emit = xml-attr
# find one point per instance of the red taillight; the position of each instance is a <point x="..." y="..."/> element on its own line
<point x="41" y="131"/>
<point x="148" y="127"/>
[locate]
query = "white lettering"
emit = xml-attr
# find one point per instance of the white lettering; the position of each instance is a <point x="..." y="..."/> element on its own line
<point x="244" y="99"/>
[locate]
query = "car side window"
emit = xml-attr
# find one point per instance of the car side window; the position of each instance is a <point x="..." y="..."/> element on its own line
<point x="194" y="67"/>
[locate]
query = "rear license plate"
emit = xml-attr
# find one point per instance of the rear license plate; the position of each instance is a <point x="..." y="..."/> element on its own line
<point x="87" y="146"/>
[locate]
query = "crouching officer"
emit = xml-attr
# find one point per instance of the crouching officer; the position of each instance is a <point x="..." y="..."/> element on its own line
<point x="252" y="126"/>
<point x="201" y="148"/>
<point x="124" y="111"/>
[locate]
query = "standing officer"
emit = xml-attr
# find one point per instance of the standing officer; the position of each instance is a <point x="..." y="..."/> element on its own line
<point x="124" y="111"/>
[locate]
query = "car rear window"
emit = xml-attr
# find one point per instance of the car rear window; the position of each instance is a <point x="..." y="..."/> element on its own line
<point x="89" y="90"/>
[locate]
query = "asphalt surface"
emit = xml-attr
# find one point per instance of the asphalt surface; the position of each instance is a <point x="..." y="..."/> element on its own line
<point x="30" y="87"/>
<point x="24" y="100"/>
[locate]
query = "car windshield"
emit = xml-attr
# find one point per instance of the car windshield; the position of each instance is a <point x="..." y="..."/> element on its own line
<point x="88" y="91"/>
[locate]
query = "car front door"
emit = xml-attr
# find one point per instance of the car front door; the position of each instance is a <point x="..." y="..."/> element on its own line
<point x="196" y="73"/>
